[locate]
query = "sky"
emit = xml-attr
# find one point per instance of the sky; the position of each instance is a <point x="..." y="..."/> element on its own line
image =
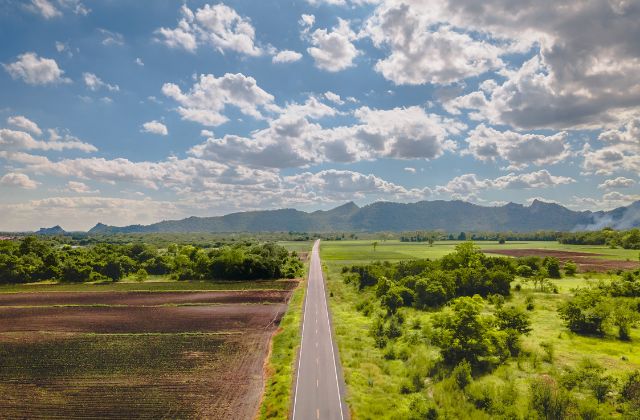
<point x="126" y="112"/>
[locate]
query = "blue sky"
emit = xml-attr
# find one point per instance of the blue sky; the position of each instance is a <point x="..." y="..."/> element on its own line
<point x="132" y="112"/>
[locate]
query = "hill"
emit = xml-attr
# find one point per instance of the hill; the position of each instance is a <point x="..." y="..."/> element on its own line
<point x="450" y="216"/>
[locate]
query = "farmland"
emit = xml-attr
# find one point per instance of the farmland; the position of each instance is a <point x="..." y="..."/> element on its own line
<point x="379" y="376"/>
<point x="155" y="352"/>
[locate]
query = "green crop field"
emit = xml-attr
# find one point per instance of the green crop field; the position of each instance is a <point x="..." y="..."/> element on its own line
<point x="394" y="250"/>
<point x="377" y="378"/>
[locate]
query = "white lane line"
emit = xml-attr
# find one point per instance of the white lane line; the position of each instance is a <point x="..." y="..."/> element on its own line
<point x="304" y="312"/>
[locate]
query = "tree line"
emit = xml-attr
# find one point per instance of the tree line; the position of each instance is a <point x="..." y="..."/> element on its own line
<point x="34" y="259"/>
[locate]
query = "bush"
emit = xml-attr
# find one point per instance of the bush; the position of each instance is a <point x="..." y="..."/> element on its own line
<point x="586" y="312"/>
<point x="630" y="391"/>
<point x="570" y="268"/>
<point x="461" y="374"/>
<point x="548" y="400"/>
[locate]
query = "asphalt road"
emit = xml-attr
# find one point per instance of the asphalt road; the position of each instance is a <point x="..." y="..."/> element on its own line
<point x="319" y="385"/>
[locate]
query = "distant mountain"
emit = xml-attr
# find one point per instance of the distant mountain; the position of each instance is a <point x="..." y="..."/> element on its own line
<point x="450" y="216"/>
<point x="56" y="230"/>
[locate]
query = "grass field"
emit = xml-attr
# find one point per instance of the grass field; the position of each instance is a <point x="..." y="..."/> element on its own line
<point x="393" y="250"/>
<point x="374" y="381"/>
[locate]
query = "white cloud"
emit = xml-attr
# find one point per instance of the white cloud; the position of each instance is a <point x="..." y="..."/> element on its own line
<point x="13" y="179"/>
<point x="620" y="151"/>
<point x="12" y="140"/>
<point x="410" y="170"/>
<point x="155" y="127"/>
<point x="519" y="150"/>
<point x="94" y="83"/>
<point x="110" y="38"/>
<point x="619" y="182"/>
<point x="333" y="51"/>
<point x="80" y="188"/>
<point x="584" y="52"/>
<point x="44" y="8"/>
<point x="26" y="124"/>
<point x="334" y="97"/>
<point x="293" y="141"/>
<point x="34" y="70"/>
<point x="468" y="185"/>
<point x="335" y="185"/>
<point x="422" y="54"/>
<point x="286" y="56"/>
<point x="139" y="62"/>
<point x="306" y="21"/>
<point x="207" y="99"/>
<point x="206" y="133"/>
<point x="609" y="200"/>
<point x="219" y="26"/>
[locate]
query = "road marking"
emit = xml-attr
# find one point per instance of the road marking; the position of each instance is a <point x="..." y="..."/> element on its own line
<point x="317" y="413"/>
<point x="304" y="313"/>
<point x="317" y="382"/>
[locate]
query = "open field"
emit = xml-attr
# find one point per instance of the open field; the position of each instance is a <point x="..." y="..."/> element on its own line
<point x="135" y="355"/>
<point x="150" y="286"/>
<point x="393" y="250"/>
<point x="586" y="261"/>
<point x="377" y="378"/>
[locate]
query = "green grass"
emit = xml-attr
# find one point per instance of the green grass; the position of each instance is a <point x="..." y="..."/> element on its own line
<point x="394" y="250"/>
<point x="147" y="286"/>
<point x="298" y="246"/>
<point x="276" y="400"/>
<point x="374" y="383"/>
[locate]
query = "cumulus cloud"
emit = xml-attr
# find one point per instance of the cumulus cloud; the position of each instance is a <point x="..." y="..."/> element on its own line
<point x="155" y="127"/>
<point x="619" y="150"/>
<point x="335" y="185"/>
<point x="80" y="188"/>
<point x="333" y="50"/>
<point x="35" y="70"/>
<point x="219" y="26"/>
<point x="519" y="150"/>
<point x="292" y="140"/>
<point x="584" y="72"/>
<point x="206" y="100"/>
<point x="608" y="201"/>
<point x="619" y="182"/>
<point x="24" y="123"/>
<point x="12" y="140"/>
<point x="13" y="179"/>
<point x="94" y="83"/>
<point x="468" y="185"/>
<point x="334" y="97"/>
<point x="44" y="8"/>
<point x="422" y="54"/>
<point x="286" y="56"/>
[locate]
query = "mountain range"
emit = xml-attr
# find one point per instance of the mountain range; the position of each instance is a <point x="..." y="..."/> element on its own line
<point x="450" y="216"/>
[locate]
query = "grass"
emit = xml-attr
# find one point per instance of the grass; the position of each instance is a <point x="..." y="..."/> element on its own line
<point x="394" y="250"/>
<point x="147" y="286"/>
<point x="298" y="246"/>
<point x="374" y="382"/>
<point x="280" y="370"/>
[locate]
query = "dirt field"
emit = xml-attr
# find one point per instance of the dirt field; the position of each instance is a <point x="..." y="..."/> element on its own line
<point x="148" y="355"/>
<point x="585" y="261"/>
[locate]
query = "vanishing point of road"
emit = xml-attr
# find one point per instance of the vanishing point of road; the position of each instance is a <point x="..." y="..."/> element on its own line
<point x="319" y="385"/>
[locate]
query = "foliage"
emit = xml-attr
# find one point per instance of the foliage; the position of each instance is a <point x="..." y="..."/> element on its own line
<point x="625" y="239"/>
<point x="548" y="400"/>
<point x="586" y="312"/>
<point x="33" y="259"/>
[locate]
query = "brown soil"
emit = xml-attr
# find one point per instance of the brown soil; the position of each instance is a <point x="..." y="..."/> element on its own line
<point x="142" y="298"/>
<point x="220" y="380"/>
<point x="584" y="260"/>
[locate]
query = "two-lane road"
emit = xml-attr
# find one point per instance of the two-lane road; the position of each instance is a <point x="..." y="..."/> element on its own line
<point x="319" y="382"/>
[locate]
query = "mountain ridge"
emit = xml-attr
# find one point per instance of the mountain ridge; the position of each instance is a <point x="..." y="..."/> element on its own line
<point x="450" y="216"/>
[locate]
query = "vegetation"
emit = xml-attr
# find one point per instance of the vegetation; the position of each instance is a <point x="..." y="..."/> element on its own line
<point x="625" y="239"/>
<point x="417" y="342"/>
<point x="33" y="259"/>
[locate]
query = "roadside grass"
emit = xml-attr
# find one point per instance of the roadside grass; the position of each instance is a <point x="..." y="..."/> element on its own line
<point x="148" y="286"/>
<point x="298" y="246"/>
<point x="281" y="365"/>
<point x="377" y="384"/>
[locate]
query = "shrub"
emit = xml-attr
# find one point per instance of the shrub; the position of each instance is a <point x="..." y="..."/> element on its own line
<point x="570" y="268"/>
<point x="630" y="391"/>
<point x="461" y="374"/>
<point x="586" y="312"/>
<point x="548" y="400"/>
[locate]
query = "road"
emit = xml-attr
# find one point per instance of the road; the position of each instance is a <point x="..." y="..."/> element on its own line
<point x="319" y="385"/>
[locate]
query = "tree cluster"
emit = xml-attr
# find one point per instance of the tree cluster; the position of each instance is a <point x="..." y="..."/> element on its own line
<point x="629" y="239"/>
<point x="33" y="259"/>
